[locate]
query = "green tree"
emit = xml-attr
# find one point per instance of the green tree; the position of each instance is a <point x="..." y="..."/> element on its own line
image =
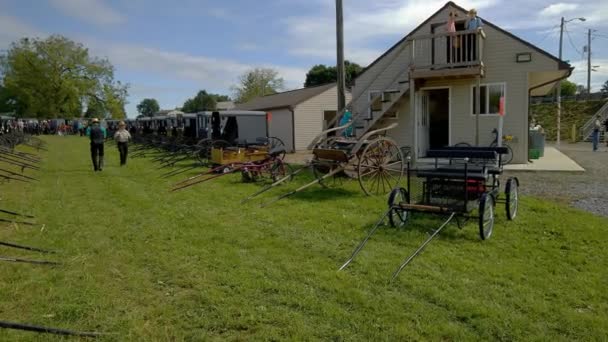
<point x="257" y="82"/>
<point x="203" y="101"/>
<point x="53" y="77"/>
<point x="604" y="89"/>
<point x="322" y="74"/>
<point x="147" y="107"/>
<point x="568" y="88"/>
<point x="7" y="102"/>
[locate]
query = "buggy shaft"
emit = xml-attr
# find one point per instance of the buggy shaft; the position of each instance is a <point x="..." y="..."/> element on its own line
<point x="206" y="179"/>
<point x="26" y="261"/>
<point x="56" y="331"/>
<point x="14" y="213"/>
<point x="318" y="180"/>
<point x="362" y="243"/>
<point x="413" y="255"/>
<point x="268" y="187"/>
<point x="8" y="244"/>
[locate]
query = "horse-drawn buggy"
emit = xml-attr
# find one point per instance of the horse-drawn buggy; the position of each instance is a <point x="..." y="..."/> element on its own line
<point x="374" y="159"/>
<point x="462" y="184"/>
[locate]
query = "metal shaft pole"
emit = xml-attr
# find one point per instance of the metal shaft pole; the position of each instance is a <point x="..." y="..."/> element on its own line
<point x="559" y="86"/>
<point x="589" y="64"/>
<point x="340" y="54"/>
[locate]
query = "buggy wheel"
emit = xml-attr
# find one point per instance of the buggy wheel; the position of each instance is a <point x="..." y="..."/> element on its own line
<point x="320" y="169"/>
<point x="486" y="216"/>
<point x="203" y="153"/>
<point x="280" y="169"/>
<point x="462" y="144"/>
<point x="512" y="197"/>
<point x="506" y="158"/>
<point x="398" y="217"/>
<point x="380" y="166"/>
<point x="249" y="176"/>
<point x="274" y="142"/>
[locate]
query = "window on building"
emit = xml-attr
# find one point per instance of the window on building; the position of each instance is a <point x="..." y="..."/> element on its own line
<point x="490" y="95"/>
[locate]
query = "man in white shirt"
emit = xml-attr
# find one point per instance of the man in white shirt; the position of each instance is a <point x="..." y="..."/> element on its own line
<point x="122" y="137"/>
<point x="597" y="126"/>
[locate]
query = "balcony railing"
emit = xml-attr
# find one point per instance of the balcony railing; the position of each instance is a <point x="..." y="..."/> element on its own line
<point x="447" y="50"/>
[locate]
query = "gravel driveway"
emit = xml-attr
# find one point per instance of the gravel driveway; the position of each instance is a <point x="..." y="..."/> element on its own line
<point x="585" y="190"/>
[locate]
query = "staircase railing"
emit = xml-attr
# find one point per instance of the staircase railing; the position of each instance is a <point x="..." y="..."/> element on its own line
<point x="587" y="128"/>
<point x="339" y="115"/>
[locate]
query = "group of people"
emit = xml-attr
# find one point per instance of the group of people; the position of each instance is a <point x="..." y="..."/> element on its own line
<point x="98" y="134"/>
<point x="598" y="127"/>
<point x="462" y="48"/>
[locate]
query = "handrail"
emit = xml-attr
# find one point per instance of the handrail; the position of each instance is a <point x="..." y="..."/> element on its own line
<point x="363" y="139"/>
<point x="447" y="34"/>
<point x="588" y="126"/>
<point x="341" y="113"/>
<point x="322" y="135"/>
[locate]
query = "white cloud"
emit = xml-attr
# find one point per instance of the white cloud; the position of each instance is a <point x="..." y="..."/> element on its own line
<point x="579" y="76"/>
<point x="557" y="9"/>
<point x="96" y="11"/>
<point x="364" y="21"/>
<point x="210" y="72"/>
<point x="13" y="29"/>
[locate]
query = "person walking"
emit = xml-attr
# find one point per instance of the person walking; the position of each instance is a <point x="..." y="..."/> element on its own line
<point x="97" y="135"/>
<point x="122" y="137"/>
<point x="606" y="132"/>
<point x="597" y="126"/>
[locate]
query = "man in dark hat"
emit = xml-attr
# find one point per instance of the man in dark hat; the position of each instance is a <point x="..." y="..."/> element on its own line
<point x="97" y="135"/>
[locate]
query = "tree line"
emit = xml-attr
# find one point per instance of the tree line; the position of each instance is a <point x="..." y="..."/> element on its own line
<point x="255" y="83"/>
<point x="56" y="77"/>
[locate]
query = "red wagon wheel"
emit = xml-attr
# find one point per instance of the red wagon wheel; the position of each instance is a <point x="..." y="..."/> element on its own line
<point x="380" y="166"/>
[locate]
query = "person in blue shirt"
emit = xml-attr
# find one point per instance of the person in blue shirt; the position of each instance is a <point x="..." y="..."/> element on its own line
<point x="97" y="135"/>
<point x="473" y="23"/>
<point x="346" y="118"/>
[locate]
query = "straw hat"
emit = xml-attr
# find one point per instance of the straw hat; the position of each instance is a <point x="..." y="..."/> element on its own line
<point x="473" y="11"/>
<point x="121" y="124"/>
<point x="95" y="120"/>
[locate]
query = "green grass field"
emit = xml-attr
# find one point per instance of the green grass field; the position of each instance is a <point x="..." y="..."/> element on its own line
<point x="146" y="264"/>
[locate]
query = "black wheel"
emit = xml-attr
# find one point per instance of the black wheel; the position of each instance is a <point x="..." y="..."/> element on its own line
<point x="398" y="217"/>
<point x="279" y="170"/>
<point x="248" y="176"/>
<point x="486" y="216"/>
<point x="320" y="169"/>
<point x="505" y="158"/>
<point x="512" y="197"/>
<point x="462" y="144"/>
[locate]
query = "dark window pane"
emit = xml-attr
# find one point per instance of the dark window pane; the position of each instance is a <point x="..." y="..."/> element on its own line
<point x="496" y="91"/>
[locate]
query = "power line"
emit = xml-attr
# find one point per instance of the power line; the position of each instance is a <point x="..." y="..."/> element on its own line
<point x="572" y="43"/>
<point x="552" y="30"/>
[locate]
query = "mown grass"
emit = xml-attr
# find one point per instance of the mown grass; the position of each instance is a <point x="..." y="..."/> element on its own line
<point x="146" y="264"/>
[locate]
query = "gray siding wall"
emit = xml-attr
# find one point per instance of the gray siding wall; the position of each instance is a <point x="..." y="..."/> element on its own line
<point x="281" y="126"/>
<point x="385" y="74"/>
<point x="499" y="58"/>
<point x="500" y="67"/>
<point x="309" y="116"/>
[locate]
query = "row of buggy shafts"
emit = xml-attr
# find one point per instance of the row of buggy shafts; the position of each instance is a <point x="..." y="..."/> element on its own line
<point x="458" y="183"/>
<point x="20" y="162"/>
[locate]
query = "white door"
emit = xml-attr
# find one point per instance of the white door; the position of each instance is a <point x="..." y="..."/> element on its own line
<point x="423" y="123"/>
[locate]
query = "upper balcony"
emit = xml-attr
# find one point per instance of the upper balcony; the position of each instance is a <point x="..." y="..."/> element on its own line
<point x="447" y="55"/>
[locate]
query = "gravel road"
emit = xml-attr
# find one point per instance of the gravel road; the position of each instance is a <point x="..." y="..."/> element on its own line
<point x="585" y="190"/>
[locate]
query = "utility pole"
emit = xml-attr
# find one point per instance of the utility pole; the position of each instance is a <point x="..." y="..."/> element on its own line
<point x="340" y="53"/>
<point x="589" y="64"/>
<point x="559" y="86"/>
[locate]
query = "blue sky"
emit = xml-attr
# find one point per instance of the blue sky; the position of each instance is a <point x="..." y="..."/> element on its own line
<point x="169" y="50"/>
